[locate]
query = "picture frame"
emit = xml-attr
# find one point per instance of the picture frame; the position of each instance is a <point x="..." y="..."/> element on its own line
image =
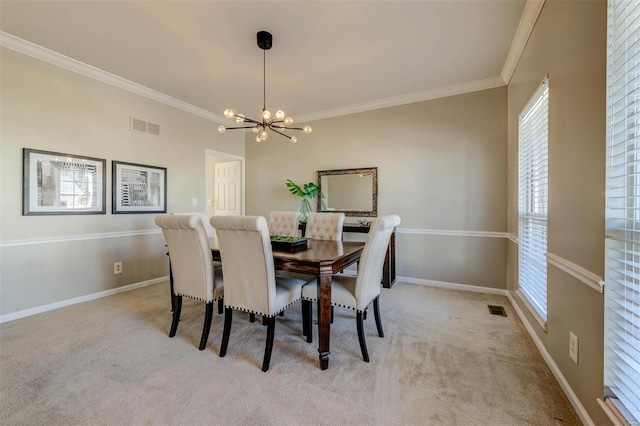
<point x="138" y="188"/>
<point x="55" y="183"/>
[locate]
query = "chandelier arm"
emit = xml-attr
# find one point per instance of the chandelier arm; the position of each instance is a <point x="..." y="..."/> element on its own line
<point x="280" y="133"/>
<point x="243" y="127"/>
<point x="250" y="120"/>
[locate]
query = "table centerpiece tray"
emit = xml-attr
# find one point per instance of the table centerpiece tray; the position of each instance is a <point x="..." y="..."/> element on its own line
<point x="288" y="243"/>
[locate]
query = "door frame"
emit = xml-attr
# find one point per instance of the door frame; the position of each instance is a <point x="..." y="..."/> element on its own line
<point x="228" y="157"/>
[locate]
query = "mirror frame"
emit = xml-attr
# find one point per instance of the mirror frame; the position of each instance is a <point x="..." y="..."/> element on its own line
<point x="374" y="193"/>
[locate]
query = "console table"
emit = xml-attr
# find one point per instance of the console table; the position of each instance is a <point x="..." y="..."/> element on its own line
<point x="389" y="267"/>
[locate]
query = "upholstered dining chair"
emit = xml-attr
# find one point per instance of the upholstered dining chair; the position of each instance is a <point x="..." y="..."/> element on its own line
<point x="357" y="292"/>
<point x="284" y="223"/>
<point x="251" y="284"/>
<point x="324" y="226"/>
<point x="192" y="267"/>
<point x="206" y="221"/>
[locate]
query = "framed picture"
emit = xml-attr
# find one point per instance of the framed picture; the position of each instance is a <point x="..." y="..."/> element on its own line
<point x="54" y="183"/>
<point x="138" y="188"/>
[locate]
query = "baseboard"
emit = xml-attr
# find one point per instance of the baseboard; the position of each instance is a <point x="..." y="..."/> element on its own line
<point x="453" y="286"/>
<point x="40" y="309"/>
<point x="573" y="399"/>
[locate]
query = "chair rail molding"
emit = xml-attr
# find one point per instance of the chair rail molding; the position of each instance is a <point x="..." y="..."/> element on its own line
<point x="587" y="277"/>
<point x="80" y="237"/>
<point x="452" y="233"/>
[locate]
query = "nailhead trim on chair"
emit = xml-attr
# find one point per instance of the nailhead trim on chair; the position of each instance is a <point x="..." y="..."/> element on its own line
<point x="260" y="313"/>
<point x="197" y="298"/>
<point x="338" y="305"/>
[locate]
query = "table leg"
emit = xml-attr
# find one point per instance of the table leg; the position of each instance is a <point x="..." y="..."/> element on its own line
<point x="324" y="318"/>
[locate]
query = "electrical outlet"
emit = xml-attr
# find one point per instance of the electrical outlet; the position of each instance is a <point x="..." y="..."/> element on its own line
<point x="117" y="268"/>
<point x="194" y="202"/>
<point x="573" y="347"/>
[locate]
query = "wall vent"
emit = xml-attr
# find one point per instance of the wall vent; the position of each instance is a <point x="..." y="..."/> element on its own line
<point x="142" y="126"/>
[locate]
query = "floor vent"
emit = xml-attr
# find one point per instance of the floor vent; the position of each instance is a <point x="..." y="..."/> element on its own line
<point x="497" y="310"/>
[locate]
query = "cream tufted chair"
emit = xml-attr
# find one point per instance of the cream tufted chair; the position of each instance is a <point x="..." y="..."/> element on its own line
<point x="192" y="267"/>
<point x="324" y="226"/>
<point x="358" y="292"/>
<point x="250" y="280"/>
<point x="284" y="224"/>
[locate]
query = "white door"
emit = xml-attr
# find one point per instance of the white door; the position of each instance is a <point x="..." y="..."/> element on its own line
<point x="228" y="197"/>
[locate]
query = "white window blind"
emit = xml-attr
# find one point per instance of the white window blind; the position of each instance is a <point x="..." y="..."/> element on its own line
<point x="622" y="242"/>
<point x="532" y="200"/>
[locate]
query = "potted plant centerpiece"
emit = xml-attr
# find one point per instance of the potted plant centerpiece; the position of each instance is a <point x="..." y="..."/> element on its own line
<point x="306" y="193"/>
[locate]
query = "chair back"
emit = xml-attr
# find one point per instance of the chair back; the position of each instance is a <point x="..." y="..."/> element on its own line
<point x="284" y="224"/>
<point x="190" y="255"/>
<point x="324" y="226"/>
<point x="372" y="260"/>
<point x="206" y="217"/>
<point x="247" y="263"/>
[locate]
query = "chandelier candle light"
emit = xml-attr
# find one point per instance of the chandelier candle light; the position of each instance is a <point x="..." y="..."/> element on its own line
<point x="278" y="124"/>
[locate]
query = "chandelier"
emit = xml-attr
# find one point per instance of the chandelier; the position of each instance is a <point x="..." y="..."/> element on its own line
<point x="278" y="123"/>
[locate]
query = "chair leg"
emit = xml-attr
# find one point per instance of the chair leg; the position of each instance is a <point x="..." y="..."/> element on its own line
<point x="363" y="344"/>
<point x="307" y="314"/>
<point x="208" y="314"/>
<point x="264" y="320"/>
<point x="177" y="308"/>
<point x="228" y="316"/>
<point x="220" y="306"/>
<point x="331" y="314"/>
<point x="281" y="314"/>
<point x="376" y="313"/>
<point x="252" y="317"/>
<point x="271" y="328"/>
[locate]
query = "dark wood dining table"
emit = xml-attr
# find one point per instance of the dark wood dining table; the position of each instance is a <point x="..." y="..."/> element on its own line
<point x="322" y="259"/>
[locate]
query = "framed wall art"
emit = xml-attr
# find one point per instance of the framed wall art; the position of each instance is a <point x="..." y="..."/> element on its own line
<point x="54" y="183"/>
<point x="138" y="188"/>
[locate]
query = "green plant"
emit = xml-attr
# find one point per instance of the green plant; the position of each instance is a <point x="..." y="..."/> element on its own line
<point x="308" y="190"/>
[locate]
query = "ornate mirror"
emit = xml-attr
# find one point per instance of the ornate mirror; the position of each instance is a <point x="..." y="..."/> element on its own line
<point x="353" y="192"/>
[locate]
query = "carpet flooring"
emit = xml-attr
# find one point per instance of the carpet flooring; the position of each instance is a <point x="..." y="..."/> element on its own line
<point x="444" y="360"/>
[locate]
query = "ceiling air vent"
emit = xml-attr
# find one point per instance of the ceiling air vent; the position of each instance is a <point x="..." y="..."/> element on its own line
<point x="142" y="126"/>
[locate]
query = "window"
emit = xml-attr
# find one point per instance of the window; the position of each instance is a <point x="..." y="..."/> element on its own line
<point x="532" y="202"/>
<point x="622" y="221"/>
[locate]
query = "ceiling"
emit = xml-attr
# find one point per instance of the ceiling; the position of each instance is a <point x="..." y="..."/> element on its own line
<point x="328" y="58"/>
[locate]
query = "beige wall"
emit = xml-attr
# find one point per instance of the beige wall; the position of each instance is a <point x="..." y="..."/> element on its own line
<point x="569" y="44"/>
<point x="49" y="108"/>
<point x="441" y="166"/>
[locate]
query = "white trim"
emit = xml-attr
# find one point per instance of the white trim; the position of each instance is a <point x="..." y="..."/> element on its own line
<point x="440" y="92"/>
<point x="80" y="237"/>
<point x="589" y="278"/>
<point x="573" y="399"/>
<point x="19" y="45"/>
<point x="512" y="237"/>
<point x="536" y="315"/>
<point x="45" y="308"/>
<point x="36" y="51"/>
<point x="452" y="233"/>
<point x="453" y="286"/>
<point x="527" y="22"/>
<point x="612" y="412"/>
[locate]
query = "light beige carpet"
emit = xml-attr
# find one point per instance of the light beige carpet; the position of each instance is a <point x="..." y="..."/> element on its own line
<point x="444" y="360"/>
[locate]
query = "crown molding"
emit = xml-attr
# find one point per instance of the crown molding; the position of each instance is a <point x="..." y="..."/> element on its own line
<point x="36" y="51"/>
<point x="527" y="21"/>
<point x="409" y="98"/>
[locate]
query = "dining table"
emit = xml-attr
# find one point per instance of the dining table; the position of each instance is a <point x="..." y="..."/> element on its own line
<point x="322" y="259"/>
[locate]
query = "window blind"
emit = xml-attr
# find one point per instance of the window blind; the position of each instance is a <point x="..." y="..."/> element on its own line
<point x="533" y="200"/>
<point x="622" y="239"/>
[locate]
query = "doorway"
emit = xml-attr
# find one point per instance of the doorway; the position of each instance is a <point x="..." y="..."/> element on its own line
<point x="225" y="192"/>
